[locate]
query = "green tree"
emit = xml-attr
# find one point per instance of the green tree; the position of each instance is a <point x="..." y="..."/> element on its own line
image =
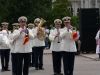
<point x="19" y="8"/>
<point x="60" y="8"/>
<point x="12" y="9"/>
<point x="4" y="9"/>
<point x="42" y="8"/>
<point x="75" y="21"/>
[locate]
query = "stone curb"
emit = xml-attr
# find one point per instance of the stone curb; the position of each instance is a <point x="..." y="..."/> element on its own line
<point x="89" y="57"/>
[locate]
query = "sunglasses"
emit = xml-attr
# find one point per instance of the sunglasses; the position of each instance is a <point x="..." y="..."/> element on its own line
<point x="58" y="22"/>
<point x="22" y="21"/>
<point x="37" y="22"/>
<point x="66" y="19"/>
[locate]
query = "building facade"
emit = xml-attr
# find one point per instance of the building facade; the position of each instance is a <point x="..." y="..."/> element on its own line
<point x="76" y="4"/>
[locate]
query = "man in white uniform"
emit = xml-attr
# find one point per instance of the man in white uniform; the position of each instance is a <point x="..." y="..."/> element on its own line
<point x="98" y="43"/>
<point x="4" y="48"/>
<point x="31" y="29"/>
<point x="68" y="46"/>
<point x="22" y="49"/>
<point x="55" y="47"/>
<point x="38" y="47"/>
<point x="15" y="26"/>
<point x="0" y="36"/>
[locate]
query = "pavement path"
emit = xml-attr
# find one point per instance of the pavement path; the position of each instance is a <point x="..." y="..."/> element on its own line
<point x="84" y="65"/>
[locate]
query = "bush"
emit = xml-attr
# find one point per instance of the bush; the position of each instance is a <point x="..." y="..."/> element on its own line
<point x="75" y="21"/>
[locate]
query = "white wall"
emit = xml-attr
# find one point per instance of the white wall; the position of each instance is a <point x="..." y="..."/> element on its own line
<point x="84" y="4"/>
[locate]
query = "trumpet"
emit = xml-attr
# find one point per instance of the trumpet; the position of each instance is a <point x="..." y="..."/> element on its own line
<point x="58" y="36"/>
<point x="26" y="37"/>
<point x="41" y="30"/>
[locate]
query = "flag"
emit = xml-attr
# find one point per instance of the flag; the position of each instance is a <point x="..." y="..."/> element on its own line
<point x="74" y="35"/>
<point x="26" y="39"/>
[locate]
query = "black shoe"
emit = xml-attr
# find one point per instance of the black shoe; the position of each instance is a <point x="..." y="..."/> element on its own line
<point x="41" y="68"/>
<point x="33" y="65"/>
<point x="30" y="64"/>
<point x="58" y="74"/>
<point x="7" y="70"/>
<point x="36" y="69"/>
<point x="55" y="74"/>
<point x="2" y="70"/>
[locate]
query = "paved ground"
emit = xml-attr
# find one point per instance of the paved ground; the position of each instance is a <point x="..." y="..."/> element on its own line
<point x="83" y="66"/>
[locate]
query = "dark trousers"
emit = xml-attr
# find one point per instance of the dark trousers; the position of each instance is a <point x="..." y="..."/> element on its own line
<point x="56" y="56"/>
<point x="33" y="58"/>
<point x="47" y="43"/>
<point x="38" y="55"/>
<point x="99" y="55"/>
<point x="20" y="63"/>
<point x="5" y="53"/>
<point x="68" y="62"/>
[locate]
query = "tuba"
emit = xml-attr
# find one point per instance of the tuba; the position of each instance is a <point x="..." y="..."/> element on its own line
<point x="41" y="30"/>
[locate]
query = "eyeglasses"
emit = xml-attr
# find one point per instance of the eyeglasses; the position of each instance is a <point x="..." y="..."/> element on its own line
<point x="57" y="22"/>
<point x="66" y="19"/>
<point x="4" y="24"/>
<point x="37" y="22"/>
<point x="22" y="21"/>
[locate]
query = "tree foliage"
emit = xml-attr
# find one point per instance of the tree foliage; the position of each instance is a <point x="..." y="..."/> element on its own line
<point x="75" y="21"/>
<point x="4" y="9"/>
<point x="10" y="10"/>
<point x="61" y="8"/>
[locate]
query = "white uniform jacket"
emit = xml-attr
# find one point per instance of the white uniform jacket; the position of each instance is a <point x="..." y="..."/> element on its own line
<point x="36" y="41"/>
<point x="4" y="39"/>
<point x="55" y="46"/>
<point x="67" y="44"/>
<point x="18" y="42"/>
<point x="31" y="40"/>
<point x="98" y="42"/>
<point x="11" y="42"/>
